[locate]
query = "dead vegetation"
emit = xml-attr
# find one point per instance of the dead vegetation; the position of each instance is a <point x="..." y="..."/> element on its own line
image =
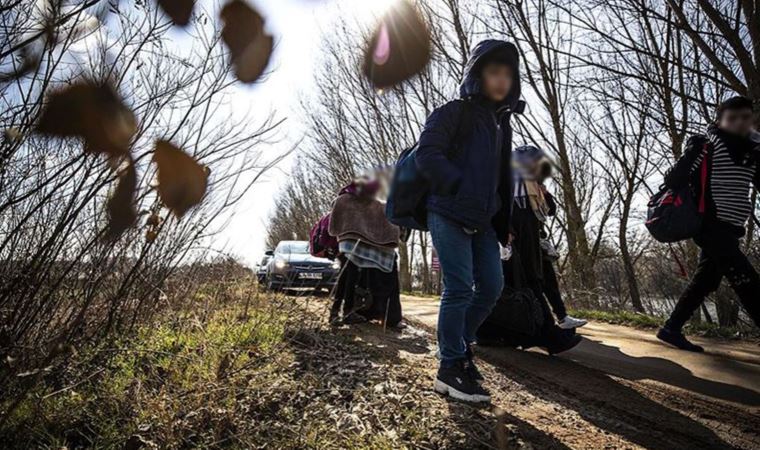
<point x="243" y="370"/>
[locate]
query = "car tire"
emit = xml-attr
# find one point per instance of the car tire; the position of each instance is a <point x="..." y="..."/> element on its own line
<point x="271" y="287"/>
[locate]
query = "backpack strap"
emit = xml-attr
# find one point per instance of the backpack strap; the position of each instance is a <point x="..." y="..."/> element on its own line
<point x="703" y="179"/>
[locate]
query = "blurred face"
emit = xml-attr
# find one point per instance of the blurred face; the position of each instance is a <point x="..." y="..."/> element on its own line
<point x="496" y="81"/>
<point x="736" y="121"/>
<point x="544" y="170"/>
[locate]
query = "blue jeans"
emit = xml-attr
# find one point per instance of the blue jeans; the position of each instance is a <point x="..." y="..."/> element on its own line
<point x="472" y="282"/>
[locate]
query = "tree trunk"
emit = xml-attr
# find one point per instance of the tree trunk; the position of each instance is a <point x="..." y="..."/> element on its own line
<point x="630" y="270"/>
<point x="404" y="271"/>
<point x="426" y="276"/>
<point x="579" y="251"/>
<point x="726" y="307"/>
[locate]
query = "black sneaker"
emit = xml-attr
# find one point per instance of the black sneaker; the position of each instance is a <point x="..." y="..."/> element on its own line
<point x="354" y="318"/>
<point x="334" y="318"/>
<point x="470" y="366"/>
<point x="677" y="339"/>
<point x="456" y="382"/>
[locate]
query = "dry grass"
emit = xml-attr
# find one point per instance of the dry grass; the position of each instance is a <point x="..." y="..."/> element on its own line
<point x="249" y="372"/>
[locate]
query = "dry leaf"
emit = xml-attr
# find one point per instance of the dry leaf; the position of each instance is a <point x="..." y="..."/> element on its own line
<point x="399" y="48"/>
<point x="181" y="180"/>
<point x="179" y="11"/>
<point x="153" y="220"/>
<point x="151" y="235"/>
<point x="12" y="134"/>
<point x="249" y="45"/>
<point x="93" y="112"/>
<point x="121" y="206"/>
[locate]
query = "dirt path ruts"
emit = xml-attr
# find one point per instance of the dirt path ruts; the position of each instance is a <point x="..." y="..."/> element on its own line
<point x="622" y="389"/>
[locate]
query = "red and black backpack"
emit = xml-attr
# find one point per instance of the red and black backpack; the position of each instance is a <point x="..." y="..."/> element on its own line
<point x="677" y="214"/>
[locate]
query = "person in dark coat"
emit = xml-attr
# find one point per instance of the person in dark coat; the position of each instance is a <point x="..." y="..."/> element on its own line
<point x="469" y="205"/>
<point x="732" y="152"/>
<point x="533" y="206"/>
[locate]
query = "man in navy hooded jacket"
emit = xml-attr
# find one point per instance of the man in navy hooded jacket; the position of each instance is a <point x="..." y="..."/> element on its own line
<point x="465" y="153"/>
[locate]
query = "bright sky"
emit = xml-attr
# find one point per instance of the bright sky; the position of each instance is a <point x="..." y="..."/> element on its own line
<point x="299" y="27"/>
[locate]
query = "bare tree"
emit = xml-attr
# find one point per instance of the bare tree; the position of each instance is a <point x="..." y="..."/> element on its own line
<point x="61" y="282"/>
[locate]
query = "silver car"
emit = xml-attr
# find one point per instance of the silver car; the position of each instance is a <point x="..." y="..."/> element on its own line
<point x="292" y="266"/>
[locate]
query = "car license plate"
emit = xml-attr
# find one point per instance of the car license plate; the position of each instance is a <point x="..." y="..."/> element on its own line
<point x="310" y="276"/>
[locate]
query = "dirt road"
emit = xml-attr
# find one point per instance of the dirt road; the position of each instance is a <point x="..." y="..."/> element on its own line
<point x="621" y="388"/>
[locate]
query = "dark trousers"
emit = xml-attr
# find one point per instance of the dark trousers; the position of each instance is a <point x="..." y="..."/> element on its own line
<point x="384" y="287"/>
<point x="551" y="289"/>
<point x="720" y="257"/>
<point x="340" y="288"/>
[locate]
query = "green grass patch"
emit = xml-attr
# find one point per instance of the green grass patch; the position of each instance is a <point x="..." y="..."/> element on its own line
<point x="627" y="318"/>
<point x="646" y="321"/>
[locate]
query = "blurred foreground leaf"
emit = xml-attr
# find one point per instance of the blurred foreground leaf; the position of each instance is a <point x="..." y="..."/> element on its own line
<point x="250" y="47"/>
<point x="181" y="180"/>
<point x="93" y="112"/>
<point x="179" y="11"/>
<point x="400" y="47"/>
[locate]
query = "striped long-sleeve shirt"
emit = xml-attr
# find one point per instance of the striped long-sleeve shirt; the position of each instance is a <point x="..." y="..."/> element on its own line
<point x="730" y="183"/>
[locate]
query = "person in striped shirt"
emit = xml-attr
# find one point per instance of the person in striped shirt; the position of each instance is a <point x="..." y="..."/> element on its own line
<point x="732" y="152"/>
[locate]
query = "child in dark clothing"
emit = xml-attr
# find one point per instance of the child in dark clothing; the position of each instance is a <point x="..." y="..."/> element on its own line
<point x="469" y="205"/>
<point x="733" y="154"/>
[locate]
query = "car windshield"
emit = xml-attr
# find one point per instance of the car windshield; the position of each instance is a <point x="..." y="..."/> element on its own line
<point x="299" y="248"/>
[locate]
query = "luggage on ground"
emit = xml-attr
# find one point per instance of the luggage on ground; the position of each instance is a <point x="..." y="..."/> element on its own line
<point x="517" y="311"/>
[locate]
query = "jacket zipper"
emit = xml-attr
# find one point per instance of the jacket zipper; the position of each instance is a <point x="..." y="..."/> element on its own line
<point x="496" y="115"/>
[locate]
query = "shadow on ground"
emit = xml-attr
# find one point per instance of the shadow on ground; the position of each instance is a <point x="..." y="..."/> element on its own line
<point x="607" y="403"/>
<point x="614" y="362"/>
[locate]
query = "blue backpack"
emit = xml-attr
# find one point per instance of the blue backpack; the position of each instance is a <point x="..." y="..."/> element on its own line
<point x="407" y="199"/>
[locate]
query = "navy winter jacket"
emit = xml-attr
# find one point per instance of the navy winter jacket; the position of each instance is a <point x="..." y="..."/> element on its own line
<point x="472" y="185"/>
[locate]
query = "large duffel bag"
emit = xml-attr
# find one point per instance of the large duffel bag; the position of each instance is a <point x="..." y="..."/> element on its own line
<point x="517" y="312"/>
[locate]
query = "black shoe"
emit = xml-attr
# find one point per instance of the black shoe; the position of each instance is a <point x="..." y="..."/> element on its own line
<point x="334" y="318"/>
<point x="470" y="366"/>
<point x="566" y="339"/>
<point x="677" y="339"/>
<point x="456" y="382"/>
<point x="354" y="318"/>
<point x="335" y="321"/>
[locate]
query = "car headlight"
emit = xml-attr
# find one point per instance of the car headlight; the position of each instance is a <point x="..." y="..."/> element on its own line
<point x="280" y="264"/>
<point x="335" y="265"/>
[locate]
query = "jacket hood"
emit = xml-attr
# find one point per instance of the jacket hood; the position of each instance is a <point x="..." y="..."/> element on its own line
<point x="470" y="86"/>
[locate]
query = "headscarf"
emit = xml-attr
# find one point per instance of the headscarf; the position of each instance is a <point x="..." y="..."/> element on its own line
<point x="528" y="162"/>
